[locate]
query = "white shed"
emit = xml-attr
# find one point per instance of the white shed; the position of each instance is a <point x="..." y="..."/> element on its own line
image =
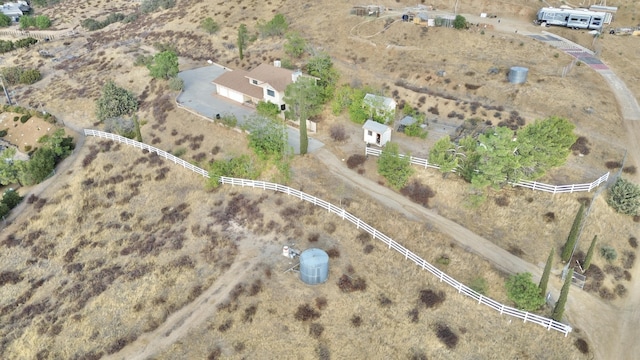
<point x="376" y="133"/>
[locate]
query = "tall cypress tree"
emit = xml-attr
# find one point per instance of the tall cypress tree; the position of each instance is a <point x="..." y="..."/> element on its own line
<point x="558" y="310"/>
<point x="573" y="235"/>
<point x="545" y="275"/>
<point x="587" y="259"/>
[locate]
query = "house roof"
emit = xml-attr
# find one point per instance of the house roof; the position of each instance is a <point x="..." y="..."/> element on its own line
<point x="375" y="127"/>
<point x="372" y="99"/>
<point x="277" y="77"/>
<point x="407" y="120"/>
<point x="237" y="80"/>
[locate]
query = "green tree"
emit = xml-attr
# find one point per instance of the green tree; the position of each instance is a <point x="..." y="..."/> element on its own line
<point x="42" y="22"/>
<point x="587" y="259"/>
<point x="209" y="25"/>
<point x="61" y="145"/>
<point x="543" y="145"/>
<point x="164" y="66"/>
<point x="5" y="21"/>
<point x="396" y="169"/>
<point x="497" y="158"/>
<point x="8" y="168"/>
<point x="573" y="235"/>
<point x="268" y="109"/>
<point x="115" y="101"/>
<point x="444" y="154"/>
<point x="321" y="67"/>
<point x="275" y="27"/>
<point x="39" y="167"/>
<point x="460" y="22"/>
<point x="624" y="197"/>
<point x="558" y="310"/>
<point x="544" y="280"/>
<point x="11" y="198"/>
<point x="524" y="292"/>
<point x="243" y="37"/>
<point x="304" y="100"/>
<point x="295" y="45"/>
<point x="267" y="137"/>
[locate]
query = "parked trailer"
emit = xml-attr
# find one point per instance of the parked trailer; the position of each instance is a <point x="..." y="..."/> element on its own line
<point x="571" y="18"/>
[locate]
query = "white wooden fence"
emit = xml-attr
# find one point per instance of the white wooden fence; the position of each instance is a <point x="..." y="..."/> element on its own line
<point x="534" y="185"/>
<point x="139" y="145"/>
<point x="549" y="324"/>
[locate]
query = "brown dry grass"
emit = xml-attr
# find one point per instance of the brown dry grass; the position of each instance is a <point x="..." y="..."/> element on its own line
<point x="89" y="207"/>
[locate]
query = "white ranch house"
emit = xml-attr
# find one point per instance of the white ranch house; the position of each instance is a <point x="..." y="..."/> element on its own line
<point x="376" y="133"/>
<point x="264" y="83"/>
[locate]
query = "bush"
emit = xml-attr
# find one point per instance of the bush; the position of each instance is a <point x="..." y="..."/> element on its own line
<point x="92" y="24"/>
<point x="348" y="284"/>
<point x="149" y="6"/>
<point x="524" y="292"/>
<point x="11" y="198"/>
<point x="338" y="132"/>
<point x="26" y="42"/>
<point x="355" y="160"/>
<point x="3" y="133"/>
<point x="479" y="285"/>
<point x="176" y="84"/>
<point x="624" y="197"/>
<point x="228" y="120"/>
<point x="394" y="168"/>
<point x="30" y="76"/>
<point x="209" y="25"/>
<point x="268" y="109"/>
<point x="6" y="46"/>
<point x="275" y="27"/>
<point x="5" y="21"/>
<point x="608" y="252"/>
<point x="305" y="312"/>
<point x="115" y="102"/>
<point x="24" y="118"/>
<point x="460" y="22"/>
<point x="446" y="336"/>
<point x="240" y="167"/>
<point x="431" y="299"/>
<point x="418" y="192"/>
<point x="416" y="130"/>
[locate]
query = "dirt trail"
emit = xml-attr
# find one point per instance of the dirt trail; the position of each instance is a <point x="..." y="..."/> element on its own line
<point x="178" y="324"/>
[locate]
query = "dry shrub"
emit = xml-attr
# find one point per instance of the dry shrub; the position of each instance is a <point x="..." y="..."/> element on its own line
<point x="384" y="301"/>
<point x="10" y="277"/>
<point x="582" y="345"/>
<point x="418" y="192"/>
<point x="313" y="237"/>
<point x="333" y="253"/>
<point x="117" y="345"/>
<point x="502" y="201"/>
<point x="368" y="249"/>
<point x="255" y="288"/>
<point x="606" y="294"/>
<point x="306" y="312"/>
<point x="355" y="160"/>
<point x="215" y="354"/>
<point x="549" y="217"/>
<point x="621" y="290"/>
<point x="446" y="335"/>
<point x="225" y="325"/>
<point x="417" y="354"/>
<point x="348" y="284"/>
<point x="330" y="227"/>
<point x="322" y="350"/>
<point x="249" y="312"/>
<point x="629" y="170"/>
<point x="633" y="242"/>
<point x="321" y="302"/>
<point x="612" y="164"/>
<point x="629" y="259"/>
<point x="239" y="346"/>
<point x="356" y="321"/>
<point x="581" y="146"/>
<point x="514" y="250"/>
<point x="316" y="330"/>
<point x="414" y="315"/>
<point x="363" y="237"/>
<point x="615" y="271"/>
<point x="431" y="299"/>
<point x="338" y="132"/>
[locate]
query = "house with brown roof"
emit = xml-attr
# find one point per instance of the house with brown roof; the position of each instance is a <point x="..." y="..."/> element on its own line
<point x="264" y="83"/>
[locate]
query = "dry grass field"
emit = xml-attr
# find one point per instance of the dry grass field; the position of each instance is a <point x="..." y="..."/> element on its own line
<point x="122" y="240"/>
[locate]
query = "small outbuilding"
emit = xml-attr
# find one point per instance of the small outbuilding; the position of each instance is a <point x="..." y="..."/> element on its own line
<point x="406" y="121"/>
<point x="380" y="107"/>
<point x="376" y="133"/>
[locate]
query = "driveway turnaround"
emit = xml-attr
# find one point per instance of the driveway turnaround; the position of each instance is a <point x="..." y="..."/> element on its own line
<point x="199" y="95"/>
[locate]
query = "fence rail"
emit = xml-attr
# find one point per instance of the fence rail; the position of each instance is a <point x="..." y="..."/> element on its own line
<point x="533" y="185"/>
<point x="549" y="324"/>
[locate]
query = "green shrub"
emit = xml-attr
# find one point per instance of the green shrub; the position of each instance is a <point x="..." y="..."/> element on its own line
<point x="24" y="118"/>
<point x="130" y="18"/>
<point x="268" y="109"/>
<point x="42" y="22"/>
<point x="394" y="168"/>
<point x="176" y="83"/>
<point x="115" y="101"/>
<point x="3" y="133"/>
<point x="524" y="292"/>
<point x="16" y="118"/>
<point x="179" y="152"/>
<point x="30" y="76"/>
<point x="415" y="130"/>
<point x="240" y="167"/>
<point x="608" y="252"/>
<point x="479" y="285"/>
<point x="26" y="42"/>
<point x="6" y="46"/>
<point x="228" y="120"/>
<point x="149" y="6"/>
<point x="11" y="198"/>
<point x="5" y="21"/>
<point x="275" y="27"/>
<point x="624" y="197"/>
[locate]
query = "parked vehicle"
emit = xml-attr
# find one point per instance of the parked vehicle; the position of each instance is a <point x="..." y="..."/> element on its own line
<point x="571" y="18"/>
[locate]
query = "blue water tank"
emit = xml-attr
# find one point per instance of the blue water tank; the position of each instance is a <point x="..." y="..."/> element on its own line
<point x="518" y="75"/>
<point x="314" y="266"/>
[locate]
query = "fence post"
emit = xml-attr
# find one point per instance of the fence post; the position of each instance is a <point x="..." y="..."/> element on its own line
<point x="480" y="299"/>
<point x="526" y="314"/>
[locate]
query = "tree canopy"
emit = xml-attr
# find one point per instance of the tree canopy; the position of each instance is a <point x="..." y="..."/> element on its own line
<point x="304" y="100"/>
<point x="524" y="292"/>
<point x="444" y="154"/>
<point x="321" y="66"/>
<point x="267" y="137"/>
<point x="275" y="27"/>
<point x="396" y="169"/>
<point x="295" y="45"/>
<point x="115" y="101"/>
<point x="164" y="65"/>
<point x="624" y="197"/>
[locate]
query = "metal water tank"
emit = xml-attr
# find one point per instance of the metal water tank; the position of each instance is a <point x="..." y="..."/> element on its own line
<point x="314" y="266"/>
<point x="518" y="75"/>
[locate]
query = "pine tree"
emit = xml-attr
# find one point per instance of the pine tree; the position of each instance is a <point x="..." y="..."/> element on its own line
<point x="587" y="259"/>
<point x="545" y="275"/>
<point x="573" y="235"/>
<point x="558" y="310"/>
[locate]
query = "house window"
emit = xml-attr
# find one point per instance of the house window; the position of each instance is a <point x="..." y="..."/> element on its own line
<point x="254" y="82"/>
<point x="369" y="133"/>
<point x="271" y="93"/>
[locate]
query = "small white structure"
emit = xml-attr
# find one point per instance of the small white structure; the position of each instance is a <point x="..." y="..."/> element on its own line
<point x="380" y="107"/>
<point x="376" y="133"/>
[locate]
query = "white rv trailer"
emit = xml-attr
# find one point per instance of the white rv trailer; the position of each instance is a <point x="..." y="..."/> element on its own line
<point x="571" y="18"/>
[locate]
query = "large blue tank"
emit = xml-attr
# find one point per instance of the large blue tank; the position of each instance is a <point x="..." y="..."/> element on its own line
<point x="314" y="266"/>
